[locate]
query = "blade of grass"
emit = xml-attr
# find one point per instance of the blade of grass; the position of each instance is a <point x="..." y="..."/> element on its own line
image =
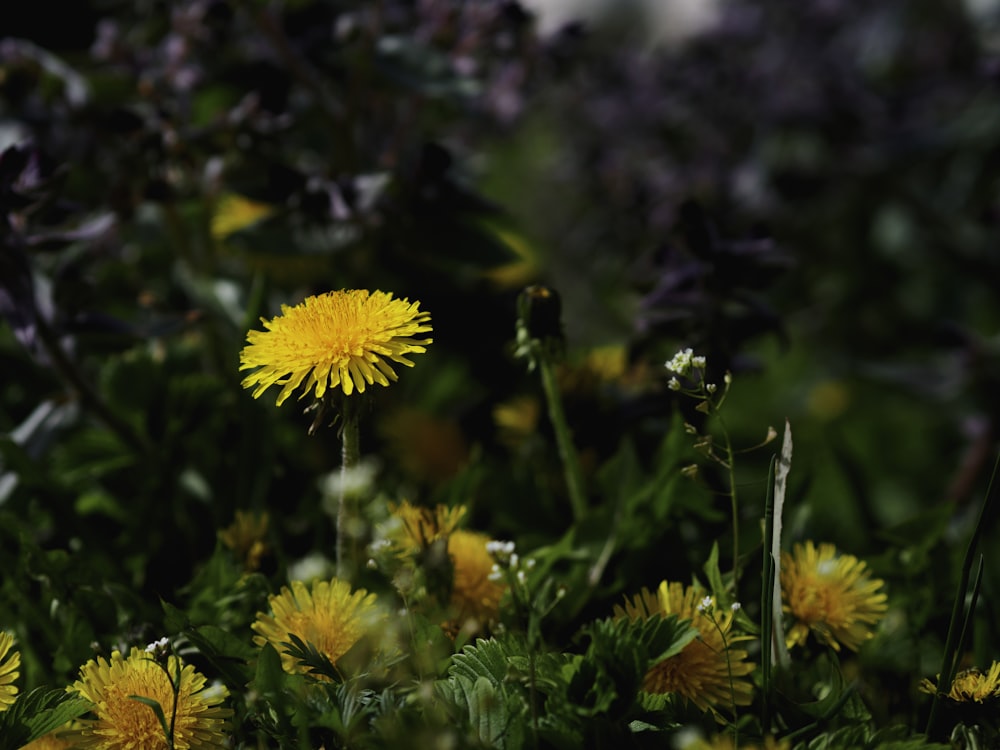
<point x="767" y="596"/>
<point x="956" y="634"/>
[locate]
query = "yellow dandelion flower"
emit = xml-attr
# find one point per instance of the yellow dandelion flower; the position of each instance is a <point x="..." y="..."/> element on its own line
<point x="245" y="536"/>
<point x="339" y="339"/>
<point x="830" y="595"/>
<point x="970" y="685"/>
<point x="709" y="671"/>
<point x="725" y="742"/>
<point x="123" y="723"/>
<point x="328" y="616"/>
<point x="473" y="595"/>
<point x="234" y="212"/>
<point x="10" y="660"/>
<point x="59" y="739"/>
<point x="416" y="526"/>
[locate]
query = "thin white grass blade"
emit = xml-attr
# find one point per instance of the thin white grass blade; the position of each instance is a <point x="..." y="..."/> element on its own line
<point x="779" y="652"/>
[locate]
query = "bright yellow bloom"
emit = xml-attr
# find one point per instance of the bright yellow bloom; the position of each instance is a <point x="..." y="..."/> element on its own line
<point x="234" y="212"/>
<point x="245" y="536"/>
<point x="473" y="595"/>
<point x="830" y="595"/>
<point x="970" y="685"/>
<point x="123" y="723"/>
<point x="328" y="616"/>
<point x="10" y="660"/>
<point x="708" y="671"/>
<point x="342" y="338"/>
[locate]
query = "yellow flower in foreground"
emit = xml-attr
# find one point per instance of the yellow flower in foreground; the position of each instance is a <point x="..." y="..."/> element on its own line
<point x="473" y="594"/>
<point x="831" y="595"/>
<point x="970" y="685"/>
<point x="124" y="723"/>
<point x="10" y="660"/>
<point x="708" y="671"/>
<point x="344" y="338"/>
<point x="327" y="615"/>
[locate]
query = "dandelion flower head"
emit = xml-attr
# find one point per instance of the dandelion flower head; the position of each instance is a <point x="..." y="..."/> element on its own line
<point x="10" y="660"/>
<point x="710" y="671"/>
<point x="970" y="685"/>
<point x="123" y="723"/>
<point x="414" y="526"/>
<point x="344" y="339"/>
<point x="327" y="615"/>
<point x="830" y="595"/>
<point x="475" y="595"/>
<point x="725" y="742"/>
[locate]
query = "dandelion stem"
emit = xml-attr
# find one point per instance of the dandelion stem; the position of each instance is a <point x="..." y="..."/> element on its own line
<point x="564" y="439"/>
<point x="347" y="553"/>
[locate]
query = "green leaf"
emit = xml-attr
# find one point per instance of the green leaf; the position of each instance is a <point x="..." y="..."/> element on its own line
<point x="37" y="713"/>
<point x="158" y="710"/>
<point x="270" y="677"/>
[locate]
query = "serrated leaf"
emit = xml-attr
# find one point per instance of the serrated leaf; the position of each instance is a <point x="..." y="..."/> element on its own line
<point x="37" y="713"/>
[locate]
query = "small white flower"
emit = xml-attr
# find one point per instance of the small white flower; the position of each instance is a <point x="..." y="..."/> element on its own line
<point x="674" y="384"/>
<point x="514" y="560"/>
<point x="736" y="606"/>
<point x="681" y="362"/>
<point x="161" y="645"/>
<point x="522" y="577"/>
<point x="711" y="387"/>
<point x="698" y="363"/>
<point x="705" y="604"/>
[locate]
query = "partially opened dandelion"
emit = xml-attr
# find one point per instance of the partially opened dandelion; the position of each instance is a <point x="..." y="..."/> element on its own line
<point x="336" y="345"/>
<point x="830" y="595"/>
<point x="123" y="690"/>
<point x="710" y="671"/>
<point x="969" y="686"/>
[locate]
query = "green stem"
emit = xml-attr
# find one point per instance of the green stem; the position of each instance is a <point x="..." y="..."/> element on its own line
<point x="347" y="541"/>
<point x="734" y="504"/>
<point x="567" y="452"/>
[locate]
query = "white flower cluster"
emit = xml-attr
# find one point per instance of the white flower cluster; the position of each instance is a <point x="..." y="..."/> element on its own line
<point x="160" y="645"/>
<point x="684" y="361"/>
<point x="705" y="605"/>
<point x="507" y="559"/>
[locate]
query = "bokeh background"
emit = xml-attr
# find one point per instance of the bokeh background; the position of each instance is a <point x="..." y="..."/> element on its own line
<point x="806" y="193"/>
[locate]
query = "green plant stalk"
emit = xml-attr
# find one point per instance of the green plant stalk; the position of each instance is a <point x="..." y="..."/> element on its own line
<point x="350" y="454"/>
<point x="733" y="502"/>
<point x="564" y="440"/>
<point x="955" y="631"/>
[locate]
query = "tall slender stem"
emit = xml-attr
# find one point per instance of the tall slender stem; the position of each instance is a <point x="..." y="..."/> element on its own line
<point x="347" y="552"/>
<point x="567" y="452"/>
<point x="733" y="503"/>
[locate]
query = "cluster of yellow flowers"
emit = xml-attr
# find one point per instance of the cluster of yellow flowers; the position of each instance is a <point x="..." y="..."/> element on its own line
<point x="825" y="593"/>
